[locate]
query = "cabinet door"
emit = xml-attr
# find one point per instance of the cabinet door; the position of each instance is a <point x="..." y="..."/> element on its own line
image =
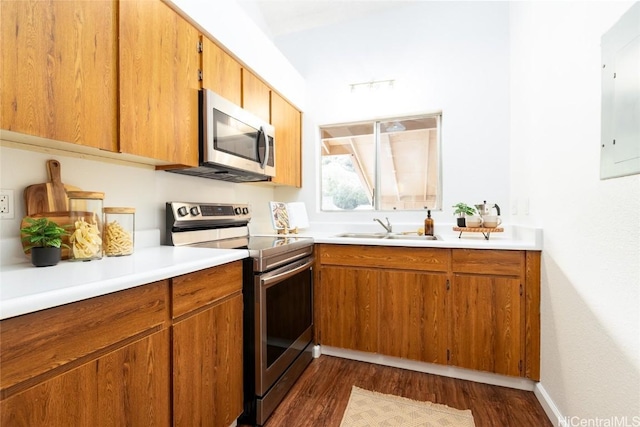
<point x="59" y="72"/>
<point x="159" y="85"/>
<point x="207" y="363"/>
<point x="287" y="121"/>
<point x="129" y="386"/>
<point x="220" y="72"/>
<point x="487" y="323"/>
<point x="413" y="317"/>
<point x="349" y="304"/>
<point x="256" y="96"/>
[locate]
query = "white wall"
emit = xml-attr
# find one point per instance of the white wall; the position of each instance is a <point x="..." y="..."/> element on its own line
<point x="448" y="56"/>
<point x="591" y="258"/>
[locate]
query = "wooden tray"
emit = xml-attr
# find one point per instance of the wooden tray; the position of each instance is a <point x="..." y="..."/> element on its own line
<point x="486" y="232"/>
<point x="479" y="229"/>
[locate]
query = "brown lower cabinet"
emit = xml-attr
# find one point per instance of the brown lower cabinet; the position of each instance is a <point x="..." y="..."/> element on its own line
<point x="129" y="386"/>
<point x="413" y="316"/>
<point x="471" y="308"/>
<point x="350" y="309"/>
<point x="128" y="358"/>
<point x="486" y="324"/>
<point x="207" y="366"/>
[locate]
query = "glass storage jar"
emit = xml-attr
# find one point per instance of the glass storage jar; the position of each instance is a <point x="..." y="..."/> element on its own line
<point x="85" y="210"/>
<point x="118" y="233"/>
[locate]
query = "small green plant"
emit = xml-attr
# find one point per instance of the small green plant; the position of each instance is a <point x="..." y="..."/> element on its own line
<point x="43" y="233"/>
<point x="463" y="209"/>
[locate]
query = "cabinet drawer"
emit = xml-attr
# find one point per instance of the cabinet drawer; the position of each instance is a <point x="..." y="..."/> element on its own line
<point x="195" y="290"/>
<point x="55" y="340"/>
<point x="419" y="259"/>
<point x="483" y="261"/>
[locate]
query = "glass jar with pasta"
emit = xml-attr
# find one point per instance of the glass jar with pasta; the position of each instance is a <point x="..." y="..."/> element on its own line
<point x="118" y="233"/>
<point x="85" y="210"/>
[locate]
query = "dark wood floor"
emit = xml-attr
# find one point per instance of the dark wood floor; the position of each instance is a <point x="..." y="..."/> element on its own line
<point x="320" y="396"/>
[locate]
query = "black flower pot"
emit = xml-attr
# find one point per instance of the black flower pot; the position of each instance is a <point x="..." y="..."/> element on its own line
<point x="45" y="257"/>
<point x="462" y="222"/>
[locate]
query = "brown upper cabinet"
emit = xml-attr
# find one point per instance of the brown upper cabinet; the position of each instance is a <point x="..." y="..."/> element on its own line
<point x="287" y="121"/>
<point x="220" y="72"/>
<point x="159" y="63"/>
<point x="71" y="68"/>
<point x="59" y="73"/>
<point x="124" y="77"/>
<point x="256" y="96"/>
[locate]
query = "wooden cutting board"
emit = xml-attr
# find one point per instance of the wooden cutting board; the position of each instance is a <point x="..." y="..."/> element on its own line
<point x="50" y="196"/>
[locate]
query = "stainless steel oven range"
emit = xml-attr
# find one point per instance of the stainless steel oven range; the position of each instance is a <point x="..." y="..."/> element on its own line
<point x="277" y="293"/>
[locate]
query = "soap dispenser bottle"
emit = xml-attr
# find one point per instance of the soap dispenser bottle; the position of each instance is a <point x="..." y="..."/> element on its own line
<point x="428" y="224"/>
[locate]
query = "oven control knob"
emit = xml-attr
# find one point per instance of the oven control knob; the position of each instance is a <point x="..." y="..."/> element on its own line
<point x="245" y="211"/>
<point x="182" y="211"/>
<point x="237" y="210"/>
<point x="194" y="211"/>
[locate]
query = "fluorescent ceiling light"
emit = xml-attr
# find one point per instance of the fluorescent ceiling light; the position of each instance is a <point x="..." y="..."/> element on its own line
<point x="371" y="86"/>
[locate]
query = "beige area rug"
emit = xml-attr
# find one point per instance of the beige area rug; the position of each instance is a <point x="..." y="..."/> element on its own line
<point x="371" y="409"/>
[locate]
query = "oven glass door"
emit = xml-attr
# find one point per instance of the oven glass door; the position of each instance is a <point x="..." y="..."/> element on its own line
<point x="285" y="319"/>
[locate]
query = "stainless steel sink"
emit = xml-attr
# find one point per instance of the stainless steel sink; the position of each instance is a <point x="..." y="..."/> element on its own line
<point x="386" y="236"/>
<point x="410" y="237"/>
<point x="363" y="235"/>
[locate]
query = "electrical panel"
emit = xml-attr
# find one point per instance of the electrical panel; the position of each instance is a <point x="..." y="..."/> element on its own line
<point x="620" y="126"/>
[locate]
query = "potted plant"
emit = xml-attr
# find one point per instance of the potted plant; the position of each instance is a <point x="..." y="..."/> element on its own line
<point x="462" y="209"/>
<point x="45" y="240"/>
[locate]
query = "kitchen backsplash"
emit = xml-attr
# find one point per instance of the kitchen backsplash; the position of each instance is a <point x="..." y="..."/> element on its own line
<point x="124" y="184"/>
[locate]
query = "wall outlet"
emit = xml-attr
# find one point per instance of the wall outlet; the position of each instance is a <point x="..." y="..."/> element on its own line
<point x="7" y="206"/>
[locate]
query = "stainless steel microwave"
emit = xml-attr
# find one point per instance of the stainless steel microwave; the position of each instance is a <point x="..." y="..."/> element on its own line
<point x="235" y="145"/>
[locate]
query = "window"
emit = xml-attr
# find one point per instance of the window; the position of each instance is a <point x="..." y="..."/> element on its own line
<point x="391" y="164"/>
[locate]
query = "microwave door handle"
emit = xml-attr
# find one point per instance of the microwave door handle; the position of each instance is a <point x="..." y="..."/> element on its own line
<point x="262" y="135"/>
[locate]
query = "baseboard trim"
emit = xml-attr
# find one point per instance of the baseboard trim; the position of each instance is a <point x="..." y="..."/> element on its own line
<point x="432" y="368"/>
<point x="549" y="406"/>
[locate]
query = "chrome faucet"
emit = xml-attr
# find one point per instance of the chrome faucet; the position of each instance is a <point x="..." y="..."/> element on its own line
<point x="386" y="227"/>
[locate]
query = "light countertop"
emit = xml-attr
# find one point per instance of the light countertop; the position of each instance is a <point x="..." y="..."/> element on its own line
<point x="512" y="238"/>
<point x="25" y="288"/>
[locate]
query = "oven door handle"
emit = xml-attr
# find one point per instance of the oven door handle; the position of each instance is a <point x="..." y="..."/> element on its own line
<point x="289" y="271"/>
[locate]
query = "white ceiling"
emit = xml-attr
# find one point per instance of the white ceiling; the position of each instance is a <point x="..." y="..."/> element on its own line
<point x="281" y="17"/>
